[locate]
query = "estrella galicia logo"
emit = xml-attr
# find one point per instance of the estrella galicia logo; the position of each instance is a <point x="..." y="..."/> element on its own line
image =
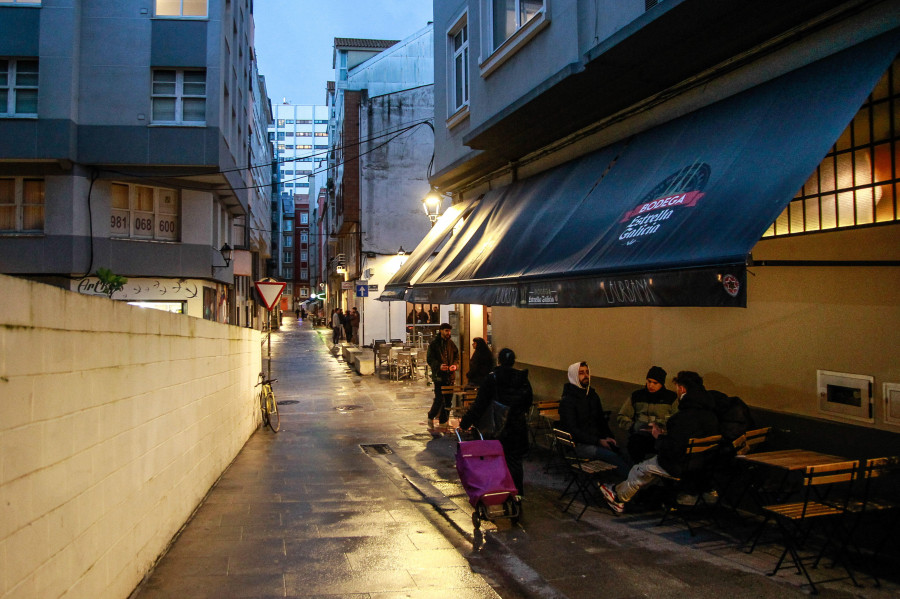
<point x="680" y="190"/>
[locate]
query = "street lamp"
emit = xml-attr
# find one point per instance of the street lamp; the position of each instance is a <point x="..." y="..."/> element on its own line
<point x="432" y="204"/>
<point x="225" y="251"/>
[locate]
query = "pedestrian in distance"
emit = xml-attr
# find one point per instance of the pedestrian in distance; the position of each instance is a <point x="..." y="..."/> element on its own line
<point x="354" y="324"/>
<point x="443" y="359"/>
<point x="508" y="386"/>
<point x="336" y="326"/>
<point x="348" y="328"/>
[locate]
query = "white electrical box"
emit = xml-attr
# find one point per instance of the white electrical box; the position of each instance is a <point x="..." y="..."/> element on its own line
<point x="843" y="395"/>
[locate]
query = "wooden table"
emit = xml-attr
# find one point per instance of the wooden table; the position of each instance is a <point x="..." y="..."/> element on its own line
<point x="791" y="459"/>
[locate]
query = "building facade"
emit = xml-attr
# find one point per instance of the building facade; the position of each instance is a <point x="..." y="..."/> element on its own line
<point x="128" y="132"/>
<point x="382" y="143"/>
<point x="300" y="136"/>
<point x="699" y="185"/>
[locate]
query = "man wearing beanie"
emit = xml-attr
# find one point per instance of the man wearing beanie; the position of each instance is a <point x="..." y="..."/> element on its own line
<point x="581" y="415"/>
<point x="652" y="403"/>
<point x="695" y="419"/>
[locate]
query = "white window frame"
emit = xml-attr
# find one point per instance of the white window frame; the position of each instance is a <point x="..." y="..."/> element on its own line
<point x="180" y="14"/>
<point x="287" y="257"/>
<point x="179" y="96"/>
<point x="515" y="42"/>
<point x="458" y="111"/>
<point x="19" y="205"/>
<point x="131" y="222"/>
<point x="10" y="86"/>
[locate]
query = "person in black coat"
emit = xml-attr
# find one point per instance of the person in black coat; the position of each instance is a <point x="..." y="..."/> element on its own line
<point x="481" y="362"/>
<point x="581" y="414"/>
<point x="695" y="418"/>
<point x="509" y="386"/>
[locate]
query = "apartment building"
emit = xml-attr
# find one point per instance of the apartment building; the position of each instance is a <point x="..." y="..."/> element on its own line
<point x="131" y="140"/>
<point x="707" y="186"/>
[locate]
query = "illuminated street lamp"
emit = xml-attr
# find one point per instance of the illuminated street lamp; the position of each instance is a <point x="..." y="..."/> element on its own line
<point x="432" y="204"/>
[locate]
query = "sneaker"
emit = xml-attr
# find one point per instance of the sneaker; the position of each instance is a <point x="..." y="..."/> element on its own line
<point x="711" y="497"/>
<point x="609" y="494"/>
<point x="686" y="499"/>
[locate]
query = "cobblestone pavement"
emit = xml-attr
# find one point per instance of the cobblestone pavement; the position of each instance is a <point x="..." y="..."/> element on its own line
<point x="354" y="498"/>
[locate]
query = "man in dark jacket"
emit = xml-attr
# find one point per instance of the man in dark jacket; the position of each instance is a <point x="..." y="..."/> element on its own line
<point x="695" y="418"/>
<point x="651" y="403"/>
<point x="510" y="387"/>
<point x="443" y="359"/>
<point x="581" y="414"/>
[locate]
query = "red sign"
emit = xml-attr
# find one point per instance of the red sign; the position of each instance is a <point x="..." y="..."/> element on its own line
<point x="270" y="291"/>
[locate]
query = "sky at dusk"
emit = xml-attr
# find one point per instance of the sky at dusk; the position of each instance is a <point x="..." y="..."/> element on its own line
<point x="295" y="38"/>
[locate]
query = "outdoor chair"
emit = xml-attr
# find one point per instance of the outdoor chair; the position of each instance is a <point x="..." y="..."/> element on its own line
<point x="873" y="507"/>
<point x="582" y="473"/>
<point x="697" y="466"/>
<point x="797" y="520"/>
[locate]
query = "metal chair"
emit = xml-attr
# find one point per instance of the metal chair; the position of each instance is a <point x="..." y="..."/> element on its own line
<point x="797" y="519"/>
<point x="697" y="466"/>
<point x="585" y="474"/>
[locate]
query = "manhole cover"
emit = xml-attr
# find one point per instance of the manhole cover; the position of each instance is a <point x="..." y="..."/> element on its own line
<point x="287" y="402"/>
<point x="347" y="408"/>
<point x="377" y="448"/>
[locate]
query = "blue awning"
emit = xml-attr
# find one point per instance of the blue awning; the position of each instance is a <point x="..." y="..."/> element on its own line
<point x="666" y="217"/>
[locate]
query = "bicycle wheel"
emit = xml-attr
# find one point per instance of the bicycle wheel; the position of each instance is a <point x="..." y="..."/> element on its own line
<point x="262" y="406"/>
<point x="272" y="408"/>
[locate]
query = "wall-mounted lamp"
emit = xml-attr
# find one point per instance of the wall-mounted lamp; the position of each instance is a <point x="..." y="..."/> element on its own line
<point x="432" y="203"/>
<point x="225" y="251"/>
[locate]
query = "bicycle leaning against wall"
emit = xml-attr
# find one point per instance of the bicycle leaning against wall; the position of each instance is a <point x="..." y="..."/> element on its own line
<point x="267" y="403"/>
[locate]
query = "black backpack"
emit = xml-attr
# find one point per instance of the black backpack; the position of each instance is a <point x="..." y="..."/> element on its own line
<point x="734" y="415"/>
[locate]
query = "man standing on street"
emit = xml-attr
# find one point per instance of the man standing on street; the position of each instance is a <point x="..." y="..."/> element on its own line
<point x="443" y="359"/>
<point x="354" y="324"/>
<point x="336" y="326"/>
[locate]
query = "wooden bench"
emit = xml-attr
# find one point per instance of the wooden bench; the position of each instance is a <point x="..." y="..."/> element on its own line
<point x="461" y="397"/>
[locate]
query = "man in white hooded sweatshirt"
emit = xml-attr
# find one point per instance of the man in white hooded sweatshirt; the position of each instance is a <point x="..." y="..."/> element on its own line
<point x="581" y="414"/>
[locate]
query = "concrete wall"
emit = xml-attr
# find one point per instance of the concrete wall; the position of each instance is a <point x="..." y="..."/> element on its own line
<point x="114" y="423"/>
<point x="797" y="320"/>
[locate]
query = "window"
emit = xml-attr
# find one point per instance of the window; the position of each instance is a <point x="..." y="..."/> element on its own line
<point x="459" y="72"/>
<point x="304" y="218"/>
<point x="858" y="181"/>
<point x="34" y="2"/>
<point x="18" y="87"/>
<point x="508" y="16"/>
<point x="21" y="205"/>
<point x="141" y="212"/>
<point x="288" y="273"/>
<point x="179" y="96"/>
<point x="304" y="274"/>
<point x="288" y="241"/>
<point x="304" y="256"/>
<point x="287" y="257"/>
<point x="321" y="134"/>
<point x="180" y="8"/>
<point x="304" y="147"/>
<point x="304" y="238"/>
<point x="288" y="224"/>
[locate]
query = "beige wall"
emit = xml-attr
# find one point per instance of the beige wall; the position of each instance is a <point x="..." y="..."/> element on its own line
<point x="114" y="423"/>
<point x="797" y="320"/>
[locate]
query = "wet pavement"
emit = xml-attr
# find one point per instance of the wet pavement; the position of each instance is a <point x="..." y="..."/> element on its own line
<point x="354" y="498"/>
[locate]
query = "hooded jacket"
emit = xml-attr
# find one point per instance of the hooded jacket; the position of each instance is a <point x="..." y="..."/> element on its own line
<point x="695" y="419"/>
<point x="581" y="412"/>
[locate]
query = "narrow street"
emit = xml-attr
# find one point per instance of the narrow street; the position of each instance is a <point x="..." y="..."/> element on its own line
<point x="354" y="498"/>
